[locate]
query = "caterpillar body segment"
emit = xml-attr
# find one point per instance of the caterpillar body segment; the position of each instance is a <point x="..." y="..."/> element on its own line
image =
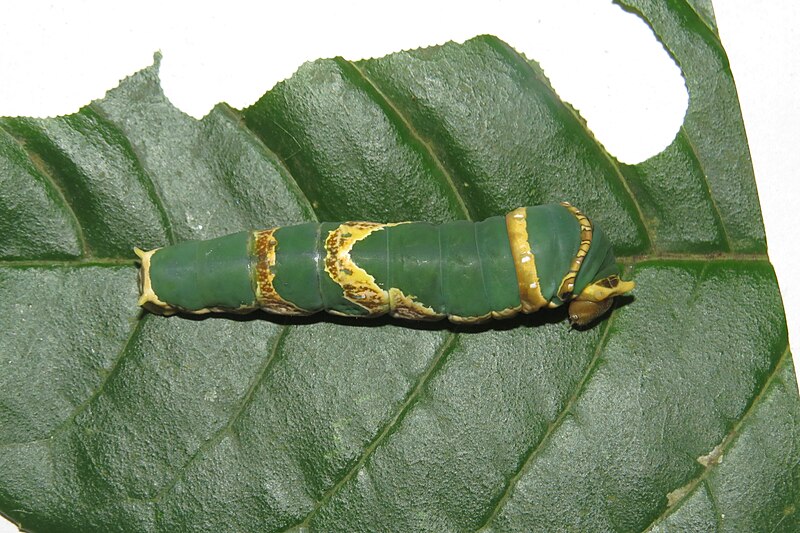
<point x="468" y="272"/>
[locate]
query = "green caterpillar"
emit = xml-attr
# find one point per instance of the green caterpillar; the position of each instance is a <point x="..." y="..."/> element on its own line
<point x="534" y="257"/>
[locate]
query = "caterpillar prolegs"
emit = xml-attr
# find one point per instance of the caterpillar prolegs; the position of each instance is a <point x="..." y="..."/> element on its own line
<point x="468" y="272"/>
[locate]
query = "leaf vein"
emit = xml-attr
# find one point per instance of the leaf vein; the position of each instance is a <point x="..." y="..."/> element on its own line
<point x="723" y="446"/>
<point x="714" y="503"/>
<point x="562" y="415"/>
<point x="144" y="177"/>
<point x="667" y="256"/>
<point x="235" y="416"/>
<point x="717" y="214"/>
<point x="445" y="349"/>
<point x="84" y="262"/>
<point x="43" y="170"/>
<point x="426" y="145"/>
<point x="115" y="366"/>
<point x="703" y="21"/>
<point x="235" y="116"/>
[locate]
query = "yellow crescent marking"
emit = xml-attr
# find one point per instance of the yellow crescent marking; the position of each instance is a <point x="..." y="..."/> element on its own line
<point x="507" y="312"/>
<point x="530" y="292"/>
<point x="148" y="297"/>
<point x="241" y="310"/>
<point x="358" y="286"/>
<point x="403" y="306"/>
<point x="456" y="319"/>
<point x="606" y="288"/>
<point x="266" y="295"/>
<point x="568" y="283"/>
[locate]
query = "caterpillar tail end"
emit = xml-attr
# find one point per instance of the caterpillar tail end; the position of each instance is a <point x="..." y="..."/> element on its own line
<point x="147" y="296"/>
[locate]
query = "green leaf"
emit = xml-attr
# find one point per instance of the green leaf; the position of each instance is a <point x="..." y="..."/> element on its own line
<point x="678" y="412"/>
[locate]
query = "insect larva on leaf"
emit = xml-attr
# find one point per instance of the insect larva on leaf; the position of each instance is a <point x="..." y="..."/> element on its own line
<point x="468" y="272"/>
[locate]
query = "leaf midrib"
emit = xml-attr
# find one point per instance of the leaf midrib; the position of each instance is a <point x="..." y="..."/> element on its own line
<point x="627" y="260"/>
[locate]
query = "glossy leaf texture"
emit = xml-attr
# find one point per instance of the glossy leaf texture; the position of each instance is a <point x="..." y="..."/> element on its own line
<point x="679" y="412"/>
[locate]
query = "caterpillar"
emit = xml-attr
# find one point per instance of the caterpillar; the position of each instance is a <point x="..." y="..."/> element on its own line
<point x="533" y="257"/>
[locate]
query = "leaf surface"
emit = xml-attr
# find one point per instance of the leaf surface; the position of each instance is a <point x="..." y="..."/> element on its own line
<point x="678" y="412"/>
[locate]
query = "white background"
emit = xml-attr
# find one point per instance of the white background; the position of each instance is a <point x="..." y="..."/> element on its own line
<point x="607" y="63"/>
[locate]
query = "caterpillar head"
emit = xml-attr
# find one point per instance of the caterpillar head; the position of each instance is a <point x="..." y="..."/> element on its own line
<point x="596" y="299"/>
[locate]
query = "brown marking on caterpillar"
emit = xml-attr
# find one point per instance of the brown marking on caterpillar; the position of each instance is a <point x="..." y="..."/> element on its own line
<point x="568" y="283"/>
<point x="402" y="306"/>
<point x="266" y="295"/>
<point x="358" y="286"/>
